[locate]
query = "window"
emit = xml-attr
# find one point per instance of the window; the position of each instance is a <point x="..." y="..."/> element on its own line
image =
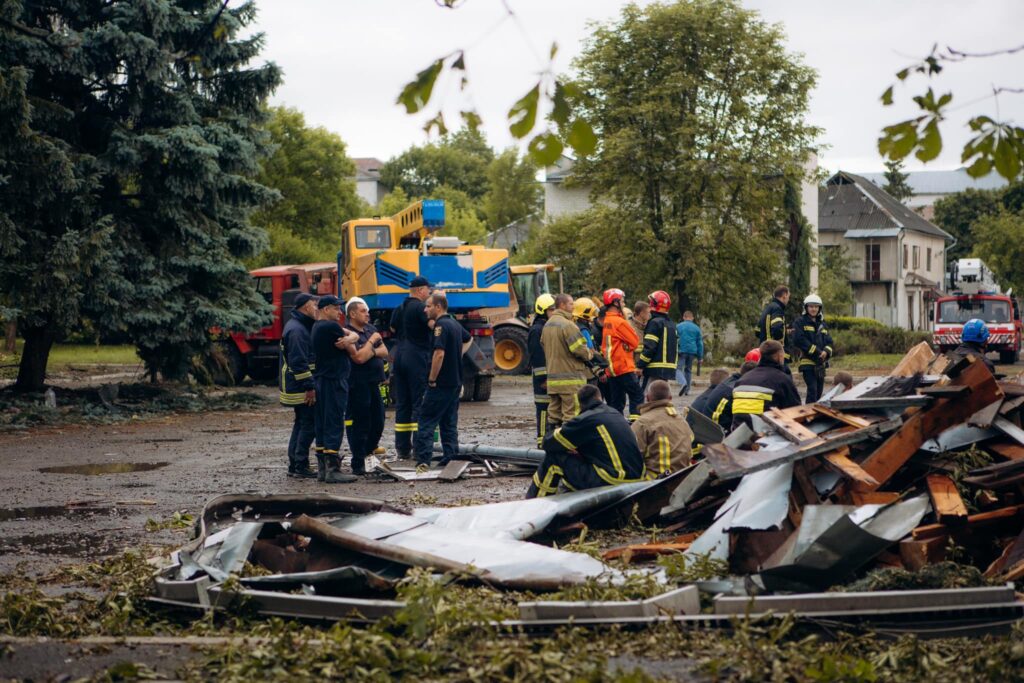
<point x="962" y="310"/>
<point x="917" y="257"/>
<point x="265" y="286"/>
<point x="872" y="262"/>
<point x="928" y="259"/>
<point x="906" y="257"/>
<point x="373" y="237"/>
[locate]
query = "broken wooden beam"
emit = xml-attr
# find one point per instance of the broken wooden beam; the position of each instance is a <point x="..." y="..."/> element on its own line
<point x="973" y="523"/>
<point x="840" y="462"/>
<point x="789" y="428"/>
<point x="949" y="506"/>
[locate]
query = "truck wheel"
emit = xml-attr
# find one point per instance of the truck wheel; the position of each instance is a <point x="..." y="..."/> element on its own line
<point x="1007" y="357"/>
<point x="226" y="364"/>
<point x="510" y="353"/>
<point x="482" y="390"/>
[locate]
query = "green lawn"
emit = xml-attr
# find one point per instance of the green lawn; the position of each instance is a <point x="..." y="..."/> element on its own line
<point x="63" y="355"/>
<point x="865" y="361"/>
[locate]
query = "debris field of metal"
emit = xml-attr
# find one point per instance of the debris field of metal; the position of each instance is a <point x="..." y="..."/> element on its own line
<point x="813" y="497"/>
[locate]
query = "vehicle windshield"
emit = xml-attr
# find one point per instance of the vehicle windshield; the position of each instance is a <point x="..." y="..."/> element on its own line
<point x="962" y="310"/>
<point x="265" y="286"/>
<point x="373" y="237"/>
<point x="526" y="290"/>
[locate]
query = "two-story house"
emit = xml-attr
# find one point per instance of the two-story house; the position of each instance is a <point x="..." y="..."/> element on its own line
<point x="897" y="258"/>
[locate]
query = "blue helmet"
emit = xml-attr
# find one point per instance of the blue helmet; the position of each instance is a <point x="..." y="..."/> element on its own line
<point x="975" y="330"/>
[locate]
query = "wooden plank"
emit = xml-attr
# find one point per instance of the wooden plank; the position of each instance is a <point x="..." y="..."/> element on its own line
<point x="840" y="462"/>
<point x="944" y="391"/>
<point x="916" y="360"/>
<point x="918" y="553"/>
<point x="800" y="412"/>
<point x="923" y="425"/>
<point x="804" y="484"/>
<point x="851" y="420"/>
<point x="789" y="428"/>
<point x="978" y="521"/>
<point x="1010" y="451"/>
<point x="873" y="497"/>
<point x="949" y="506"/>
<point x="453" y="470"/>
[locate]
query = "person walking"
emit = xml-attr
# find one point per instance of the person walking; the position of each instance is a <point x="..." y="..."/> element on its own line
<point x="691" y="348"/>
<point x="541" y="307"/>
<point x="330" y="346"/>
<point x="618" y="341"/>
<point x="297" y="389"/>
<point x="412" y="359"/>
<point x="811" y="337"/>
<point x="365" y="405"/>
<point x="661" y="348"/>
<point x="567" y="356"/>
<point x="772" y="323"/>
<point x="440" y="407"/>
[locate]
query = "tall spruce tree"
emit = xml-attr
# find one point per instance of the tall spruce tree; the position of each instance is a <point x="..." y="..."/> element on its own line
<point x="896" y="181"/>
<point x="129" y="145"/>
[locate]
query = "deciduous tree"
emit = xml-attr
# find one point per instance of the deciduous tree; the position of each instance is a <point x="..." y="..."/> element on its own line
<point x="998" y="242"/>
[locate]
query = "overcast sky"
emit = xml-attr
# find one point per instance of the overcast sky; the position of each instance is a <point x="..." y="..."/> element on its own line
<point x="345" y="61"/>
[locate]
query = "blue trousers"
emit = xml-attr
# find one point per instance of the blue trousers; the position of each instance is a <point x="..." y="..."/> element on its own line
<point x="408" y="383"/>
<point x="440" y="409"/>
<point x="684" y="372"/>
<point x="366" y="419"/>
<point x="303" y="433"/>
<point x="331" y="404"/>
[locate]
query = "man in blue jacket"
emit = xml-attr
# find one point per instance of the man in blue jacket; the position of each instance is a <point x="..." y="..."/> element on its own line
<point x="297" y="389"/>
<point x="691" y="347"/>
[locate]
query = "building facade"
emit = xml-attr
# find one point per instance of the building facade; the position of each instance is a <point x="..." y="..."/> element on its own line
<point x="368" y="185"/>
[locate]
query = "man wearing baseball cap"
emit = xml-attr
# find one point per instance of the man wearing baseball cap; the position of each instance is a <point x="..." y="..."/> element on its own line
<point x="297" y="389"/>
<point x="330" y="347"/>
<point x="412" y="363"/>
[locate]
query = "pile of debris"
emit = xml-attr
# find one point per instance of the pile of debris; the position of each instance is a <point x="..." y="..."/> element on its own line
<point x="923" y="466"/>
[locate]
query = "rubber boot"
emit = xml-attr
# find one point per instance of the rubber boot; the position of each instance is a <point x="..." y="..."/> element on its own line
<point x="321" y="467"/>
<point x="334" y="475"/>
<point x="300" y="470"/>
<point x="358" y="465"/>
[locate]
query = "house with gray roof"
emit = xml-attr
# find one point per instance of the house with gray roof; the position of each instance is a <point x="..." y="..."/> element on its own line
<point x="898" y="258"/>
<point x="931" y="186"/>
<point x="368" y="184"/>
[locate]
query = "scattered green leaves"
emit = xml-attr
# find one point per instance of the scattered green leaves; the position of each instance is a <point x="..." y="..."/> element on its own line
<point x="179" y="521"/>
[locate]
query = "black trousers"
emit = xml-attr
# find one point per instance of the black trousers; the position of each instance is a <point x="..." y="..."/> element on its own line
<point x="814" y="378"/>
<point x="365" y="418"/>
<point x="540" y="406"/>
<point x="440" y="409"/>
<point x="651" y="374"/>
<point x="408" y="383"/>
<point x="331" y="404"/>
<point x="626" y="387"/>
<point x="303" y="433"/>
<point x="563" y="468"/>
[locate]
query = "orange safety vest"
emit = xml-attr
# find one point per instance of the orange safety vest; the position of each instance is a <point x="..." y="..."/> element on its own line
<point x="618" y="340"/>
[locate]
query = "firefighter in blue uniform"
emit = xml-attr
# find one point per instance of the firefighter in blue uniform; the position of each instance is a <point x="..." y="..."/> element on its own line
<point x="974" y="343"/>
<point x="330" y="346"/>
<point x="660" y="344"/>
<point x="297" y="389"/>
<point x="772" y="323"/>
<point x="444" y="385"/>
<point x="543" y="304"/>
<point x="769" y="385"/>
<point x="595" y="448"/>
<point x="412" y="359"/>
<point x="365" y="423"/>
<point x="811" y="336"/>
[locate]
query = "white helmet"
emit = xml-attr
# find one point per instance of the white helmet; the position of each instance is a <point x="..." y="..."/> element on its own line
<point x="355" y="300"/>
<point x="812" y="300"/>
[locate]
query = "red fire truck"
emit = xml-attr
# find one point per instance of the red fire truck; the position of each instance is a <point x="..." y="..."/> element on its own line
<point x="976" y="295"/>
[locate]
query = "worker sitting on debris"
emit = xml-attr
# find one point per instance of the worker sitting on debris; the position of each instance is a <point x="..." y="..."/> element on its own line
<point x="542" y="306"/>
<point x="618" y="341"/>
<point x="715" y="379"/>
<point x="593" y="449"/>
<point x="365" y="408"/>
<point x="974" y="342"/>
<point x="297" y="387"/>
<point x="716" y="402"/>
<point x="815" y="343"/>
<point x="661" y="348"/>
<point x="663" y="436"/>
<point x="566" y="355"/>
<point x="766" y="386"/>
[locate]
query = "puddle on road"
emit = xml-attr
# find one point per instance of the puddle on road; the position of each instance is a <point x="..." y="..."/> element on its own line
<point x="43" y="511"/>
<point x="105" y="468"/>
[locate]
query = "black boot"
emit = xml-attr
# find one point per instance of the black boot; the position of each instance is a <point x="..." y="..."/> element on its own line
<point x="358" y="465"/>
<point x="301" y="470"/>
<point x="334" y="475"/>
<point x="321" y="466"/>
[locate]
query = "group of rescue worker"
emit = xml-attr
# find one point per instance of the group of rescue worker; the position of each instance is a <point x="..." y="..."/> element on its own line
<point x="331" y="376"/>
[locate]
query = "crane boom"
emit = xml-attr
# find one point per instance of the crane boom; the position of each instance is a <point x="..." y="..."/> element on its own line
<point x="419" y="219"/>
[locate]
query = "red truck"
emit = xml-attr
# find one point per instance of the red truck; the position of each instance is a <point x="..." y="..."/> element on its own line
<point x="1000" y="312"/>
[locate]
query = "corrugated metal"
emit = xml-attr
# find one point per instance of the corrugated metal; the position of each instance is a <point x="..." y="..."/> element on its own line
<point x="850" y="202"/>
<point x="863" y="234"/>
<point x="943" y="182"/>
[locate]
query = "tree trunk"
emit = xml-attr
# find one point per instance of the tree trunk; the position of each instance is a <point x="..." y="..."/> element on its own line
<point x="11" y="336"/>
<point x="34" y="356"/>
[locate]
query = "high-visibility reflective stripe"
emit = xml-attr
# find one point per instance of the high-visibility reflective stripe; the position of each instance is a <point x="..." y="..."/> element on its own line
<point x="576" y="404"/>
<point x="348" y="423"/>
<point x="542" y="428"/>
<point x="548" y="485"/>
<point x="719" y="409"/>
<point x="805" y="363"/>
<point x="664" y="346"/>
<point x="537" y="372"/>
<point x="608" y="355"/>
<point x="319" y="449"/>
<point x="777" y="320"/>
<point x="645" y="358"/>
<point x="813" y="347"/>
<point x="560" y="438"/>
<point x="652" y="337"/>
<point x="541" y="398"/>
<point x="328" y="451"/>
<point x="407" y="427"/>
<point x="633" y="417"/>
<point x="565" y="382"/>
<point x="291" y="399"/>
<point x="661" y="365"/>
<point x="747" y="406"/>
<point x="303" y="375"/>
<point x="808" y="328"/>
<point x="578" y="343"/>
<point x="609" y="479"/>
<point x="671" y="410"/>
<point x="664" y="454"/>
<point x="613" y="452"/>
<point x="751" y="393"/>
<point x="829" y="349"/>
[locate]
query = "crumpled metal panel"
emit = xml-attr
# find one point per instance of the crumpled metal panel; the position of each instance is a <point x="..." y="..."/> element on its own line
<point x="223" y="553"/>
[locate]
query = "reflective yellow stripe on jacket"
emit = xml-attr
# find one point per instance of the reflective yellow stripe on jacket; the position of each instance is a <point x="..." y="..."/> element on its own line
<point x="747" y="401"/>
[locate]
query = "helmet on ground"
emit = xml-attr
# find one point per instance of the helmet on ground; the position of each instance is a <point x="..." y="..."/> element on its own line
<point x="612" y="295"/>
<point x="975" y="330"/>
<point x="753" y="355"/>
<point x="660" y="301"/>
<point x="543" y="303"/>
<point x="584" y="309"/>
<point x="812" y="300"/>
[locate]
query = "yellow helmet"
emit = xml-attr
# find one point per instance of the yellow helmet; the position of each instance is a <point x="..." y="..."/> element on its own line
<point x="543" y="303"/>
<point x="584" y="309"/>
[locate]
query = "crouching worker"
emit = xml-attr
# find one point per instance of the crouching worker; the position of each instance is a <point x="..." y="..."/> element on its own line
<point x="595" y="448"/>
<point x="663" y="436"/>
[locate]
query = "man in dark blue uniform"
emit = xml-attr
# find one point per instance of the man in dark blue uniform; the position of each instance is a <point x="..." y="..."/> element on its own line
<point x="412" y="360"/>
<point x="444" y="385"/>
<point x="297" y="389"/>
<point x="330" y="346"/>
<point x="538" y="365"/>
<point x="365" y="406"/>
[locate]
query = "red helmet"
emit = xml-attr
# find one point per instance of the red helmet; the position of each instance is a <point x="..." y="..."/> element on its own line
<point x="660" y="301"/>
<point x="753" y="355"/>
<point x="612" y="295"/>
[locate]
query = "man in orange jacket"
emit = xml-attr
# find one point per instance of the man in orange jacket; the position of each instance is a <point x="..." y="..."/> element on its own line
<point x="618" y="340"/>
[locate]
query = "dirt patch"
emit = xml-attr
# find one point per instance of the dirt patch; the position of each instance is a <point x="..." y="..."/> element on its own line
<point x="110" y="467"/>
